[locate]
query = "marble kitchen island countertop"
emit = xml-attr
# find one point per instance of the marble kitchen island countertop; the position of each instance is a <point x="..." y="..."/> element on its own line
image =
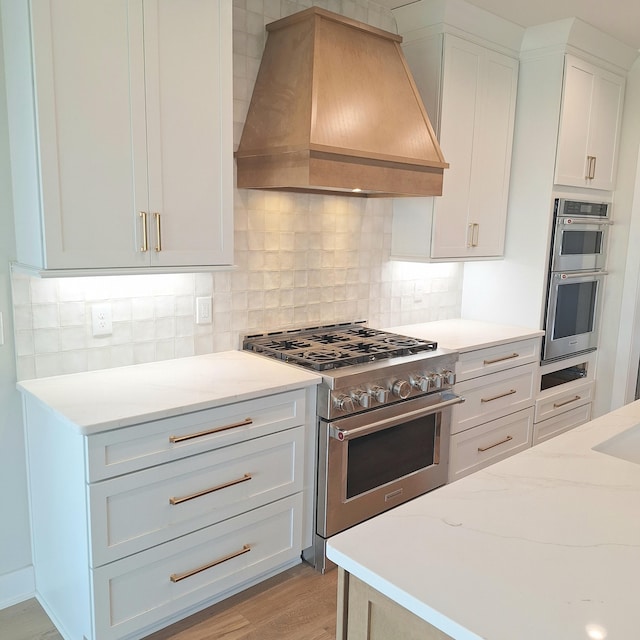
<point x="466" y="335"/>
<point x="111" y="398"/>
<point x="545" y="544"/>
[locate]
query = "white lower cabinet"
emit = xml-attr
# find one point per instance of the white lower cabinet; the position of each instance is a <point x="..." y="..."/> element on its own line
<point x="137" y="527"/>
<point x="146" y="588"/>
<point x="496" y="419"/>
<point x="477" y="448"/>
<point x="560" y="423"/>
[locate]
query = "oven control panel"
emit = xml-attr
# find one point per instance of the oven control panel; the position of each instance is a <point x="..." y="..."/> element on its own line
<point x="340" y="396"/>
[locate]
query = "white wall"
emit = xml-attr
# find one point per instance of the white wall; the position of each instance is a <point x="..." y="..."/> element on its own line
<point x="15" y="557"/>
<point x="621" y="323"/>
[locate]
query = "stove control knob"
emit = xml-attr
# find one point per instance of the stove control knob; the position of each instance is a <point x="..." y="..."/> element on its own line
<point x="449" y="377"/>
<point x="344" y="403"/>
<point x="361" y="397"/>
<point x="379" y="394"/>
<point x="435" y="381"/>
<point x="420" y="382"/>
<point x="401" y="389"/>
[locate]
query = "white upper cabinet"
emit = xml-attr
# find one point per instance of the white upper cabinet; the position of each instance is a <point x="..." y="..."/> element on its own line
<point x="592" y="102"/>
<point x="472" y="103"/>
<point x="120" y="117"/>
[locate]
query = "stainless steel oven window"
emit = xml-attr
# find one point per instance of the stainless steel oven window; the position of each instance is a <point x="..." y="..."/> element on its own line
<point x="384" y="456"/>
<point x="580" y="242"/>
<point x="575" y="308"/>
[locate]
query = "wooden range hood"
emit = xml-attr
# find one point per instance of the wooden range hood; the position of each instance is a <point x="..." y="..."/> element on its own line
<point x="335" y="110"/>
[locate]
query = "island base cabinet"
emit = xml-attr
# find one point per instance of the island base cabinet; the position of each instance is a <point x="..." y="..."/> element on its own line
<point x="366" y="614"/>
<point x="141" y="593"/>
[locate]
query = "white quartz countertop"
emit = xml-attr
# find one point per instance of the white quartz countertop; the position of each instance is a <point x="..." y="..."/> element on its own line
<point x="466" y="335"/>
<point x="543" y="545"/>
<point x="111" y="398"/>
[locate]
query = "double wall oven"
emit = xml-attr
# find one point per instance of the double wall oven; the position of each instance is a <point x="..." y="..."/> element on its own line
<point x="383" y="423"/>
<point x="577" y="273"/>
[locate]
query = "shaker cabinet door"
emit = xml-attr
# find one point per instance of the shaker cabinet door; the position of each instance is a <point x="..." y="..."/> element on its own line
<point x="478" y="110"/>
<point x="590" y="121"/>
<point x="190" y="149"/>
<point x="87" y="61"/>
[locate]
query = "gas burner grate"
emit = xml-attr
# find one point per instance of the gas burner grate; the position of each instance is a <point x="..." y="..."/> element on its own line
<point x="331" y="347"/>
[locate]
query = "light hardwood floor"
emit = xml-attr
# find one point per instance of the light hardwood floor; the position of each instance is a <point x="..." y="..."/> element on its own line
<point x="298" y="604"/>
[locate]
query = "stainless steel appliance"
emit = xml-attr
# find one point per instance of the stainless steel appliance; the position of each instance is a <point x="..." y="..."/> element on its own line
<point x="576" y="278"/>
<point x="383" y="424"/>
<point x="580" y="235"/>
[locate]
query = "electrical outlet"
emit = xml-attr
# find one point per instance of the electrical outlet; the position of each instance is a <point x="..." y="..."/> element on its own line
<point x="203" y="310"/>
<point x="101" y="319"/>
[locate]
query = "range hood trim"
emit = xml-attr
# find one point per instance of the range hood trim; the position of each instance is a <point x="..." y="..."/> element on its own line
<point x="302" y="164"/>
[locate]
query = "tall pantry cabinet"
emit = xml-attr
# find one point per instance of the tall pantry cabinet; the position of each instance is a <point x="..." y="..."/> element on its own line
<point x="120" y="119"/>
<point x="468" y="84"/>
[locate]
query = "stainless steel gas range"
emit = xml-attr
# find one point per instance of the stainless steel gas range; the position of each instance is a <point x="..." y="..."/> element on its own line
<point x="383" y="424"/>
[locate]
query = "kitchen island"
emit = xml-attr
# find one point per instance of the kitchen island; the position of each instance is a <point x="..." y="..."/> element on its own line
<point x="545" y="544"/>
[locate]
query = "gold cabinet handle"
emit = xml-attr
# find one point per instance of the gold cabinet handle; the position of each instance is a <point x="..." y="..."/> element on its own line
<point x="497" y="444"/>
<point x="473" y="232"/>
<point x="145" y="244"/>
<point x="502" y="395"/>
<point x="208" y="432"/>
<point x="501" y="358"/>
<point x="557" y="405"/>
<point x="591" y="168"/>
<point x="176" y="577"/>
<point x="204" y="492"/>
<point x="158" y="232"/>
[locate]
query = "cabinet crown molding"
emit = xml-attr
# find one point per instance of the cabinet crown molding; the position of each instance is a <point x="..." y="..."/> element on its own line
<point x="572" y="35"/>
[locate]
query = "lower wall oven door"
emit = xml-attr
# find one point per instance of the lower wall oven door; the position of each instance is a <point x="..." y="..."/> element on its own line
<point x="374" y="461"/>
<point x="573" y="313"/>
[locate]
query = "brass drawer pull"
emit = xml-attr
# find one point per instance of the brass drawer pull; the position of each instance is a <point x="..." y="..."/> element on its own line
<point x="502" y="395"/>
<point x="497" y="444"/>
<point x="208" y="432"/>
<point x="176" y="577"/>
<point x="204" y="492"/>
<point x="145" y="244"/>
<point x="473" y="232"/>
<point x="158" y="232"/>
<point x="557" y="405"/>
<point x="501" y="358"/>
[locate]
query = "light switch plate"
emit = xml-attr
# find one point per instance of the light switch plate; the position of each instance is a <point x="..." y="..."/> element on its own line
<point x="203" y="310"/>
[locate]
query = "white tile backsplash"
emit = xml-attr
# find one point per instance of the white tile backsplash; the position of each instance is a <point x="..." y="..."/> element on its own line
<point x="300" y="259"/>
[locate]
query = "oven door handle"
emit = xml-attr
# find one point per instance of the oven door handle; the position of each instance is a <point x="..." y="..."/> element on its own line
<point x="580" y="274"/>
<point x="592" y="222"/>
<point x="349" y="434"/>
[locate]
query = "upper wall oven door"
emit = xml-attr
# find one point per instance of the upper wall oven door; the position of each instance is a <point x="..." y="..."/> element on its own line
<point x="580" y="235"/>
<point x="579" y="244"/>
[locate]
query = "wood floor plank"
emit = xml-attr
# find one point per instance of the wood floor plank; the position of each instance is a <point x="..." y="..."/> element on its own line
<point x="298" y="604"/>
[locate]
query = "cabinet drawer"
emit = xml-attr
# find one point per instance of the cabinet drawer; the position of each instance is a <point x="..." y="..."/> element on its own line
<point x="478" y="363"/>
<point x="133" y="448"/>
<point x="558" y="424"/>
<point x="490" y="442"/>
<point x="139" y="592"/>
<point x="131" y="513"/>
<point x="570" y="397"/>
<point x="493" y="396"/>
